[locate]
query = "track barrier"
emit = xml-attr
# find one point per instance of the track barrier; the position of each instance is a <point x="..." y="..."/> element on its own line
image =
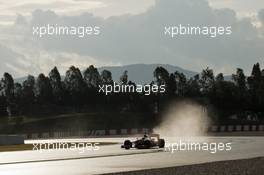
<point x="135" y="131"/>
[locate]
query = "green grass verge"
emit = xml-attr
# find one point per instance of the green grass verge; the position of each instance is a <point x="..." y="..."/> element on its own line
<point x="81" y="121"/>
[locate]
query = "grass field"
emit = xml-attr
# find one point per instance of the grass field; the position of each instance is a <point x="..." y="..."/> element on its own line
<point x="76" y="121"/>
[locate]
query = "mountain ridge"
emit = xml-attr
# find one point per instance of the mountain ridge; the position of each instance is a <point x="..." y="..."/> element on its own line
<point x="143" y="73"/>
<point x="138" y="73"/>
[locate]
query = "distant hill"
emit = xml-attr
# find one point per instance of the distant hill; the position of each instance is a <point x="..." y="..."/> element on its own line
<point x="20" y="80"/>
<point x="139" y="73"/>
<point x="143" y="73"/>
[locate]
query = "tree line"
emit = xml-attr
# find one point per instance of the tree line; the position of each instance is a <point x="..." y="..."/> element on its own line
<point x="77" y="91"/>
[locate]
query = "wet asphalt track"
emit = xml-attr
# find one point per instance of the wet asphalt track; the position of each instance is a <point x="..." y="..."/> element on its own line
<point x="114" y="159"/>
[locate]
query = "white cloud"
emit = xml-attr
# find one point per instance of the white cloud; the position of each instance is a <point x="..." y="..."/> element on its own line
<point x="102" y="8"/>
<point x="138" y="38"/>
<point x="10" y="62"/>
<point x="244" y="8"/>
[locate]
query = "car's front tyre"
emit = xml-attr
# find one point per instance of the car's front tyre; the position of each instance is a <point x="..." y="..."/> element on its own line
<point x="127" y="144"/>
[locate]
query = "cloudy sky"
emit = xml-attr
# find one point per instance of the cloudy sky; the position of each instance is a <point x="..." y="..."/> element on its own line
<point x="131" y="32"/>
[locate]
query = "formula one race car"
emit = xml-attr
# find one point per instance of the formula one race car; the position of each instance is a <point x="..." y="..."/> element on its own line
<point x="146" y="142"/>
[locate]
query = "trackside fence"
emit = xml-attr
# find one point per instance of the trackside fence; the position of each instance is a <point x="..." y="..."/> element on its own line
<point x="134" y="131"/>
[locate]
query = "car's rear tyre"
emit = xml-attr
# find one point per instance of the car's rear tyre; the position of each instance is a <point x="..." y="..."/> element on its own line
<point x="127" y="144"/>
<point x="161" y="143"/>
